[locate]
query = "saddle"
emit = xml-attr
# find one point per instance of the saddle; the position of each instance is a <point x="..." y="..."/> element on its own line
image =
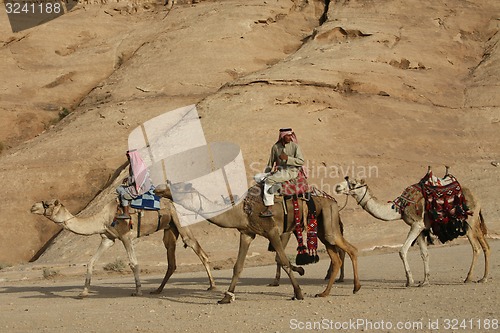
<point x="445" y="204"/>
<point x="297" y="186"/>
<point x="146" y="201"/>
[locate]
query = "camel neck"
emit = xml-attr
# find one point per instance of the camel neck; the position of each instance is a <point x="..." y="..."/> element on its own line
<point x="81" y="226"/>
<point x="379" y="210"/>
<point x="222" y="215"/>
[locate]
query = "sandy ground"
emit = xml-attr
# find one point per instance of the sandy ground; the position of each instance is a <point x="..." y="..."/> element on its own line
<point x="382" y="305"/>
<point x="391" y="85"/>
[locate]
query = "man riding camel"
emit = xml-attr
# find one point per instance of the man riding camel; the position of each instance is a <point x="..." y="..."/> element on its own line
<point x="284" y="164"/>
<point x="137" y="183"/>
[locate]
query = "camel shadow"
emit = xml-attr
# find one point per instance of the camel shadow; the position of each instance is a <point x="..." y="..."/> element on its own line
<point x="67" y="292"/>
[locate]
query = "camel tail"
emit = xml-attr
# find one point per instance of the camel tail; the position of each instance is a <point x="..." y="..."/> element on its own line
<point x="482" y="225"/>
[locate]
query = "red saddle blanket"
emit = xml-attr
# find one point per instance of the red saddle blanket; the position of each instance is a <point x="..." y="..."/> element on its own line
<point x="295" y="186"/>
<point x="446" y="206"/>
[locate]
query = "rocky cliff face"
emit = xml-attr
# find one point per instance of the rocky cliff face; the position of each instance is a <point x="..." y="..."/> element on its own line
<point x="373" y="89"/>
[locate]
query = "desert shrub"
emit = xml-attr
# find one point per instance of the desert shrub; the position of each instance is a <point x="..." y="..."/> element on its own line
<point x="2" y="264"/>
<point x="49" y="273"/>
<point x="61" y="115"/>
<point x="117" y="266"/>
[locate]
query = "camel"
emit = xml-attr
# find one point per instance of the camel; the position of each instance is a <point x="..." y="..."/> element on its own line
<point x="244" y="216"/>
<point x="102" y="223"/>
<point x="415" y="216"/>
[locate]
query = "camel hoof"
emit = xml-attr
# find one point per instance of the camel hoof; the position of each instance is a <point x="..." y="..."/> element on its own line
<point x="356" y="288"/>
<point x="424" y="284"/>
<point x="225" y="300"/>
<point x="228" y="298"/>
<point x="212" y="288"/>
<point x="155" y="292"/>
<point x="339" y="280"/>
<point x="321" y="295"/>
<point x="274" y="284"/>
<point x="483" y="280"/>
<point x="301" y="271"/>
<point x="137" y="293"/>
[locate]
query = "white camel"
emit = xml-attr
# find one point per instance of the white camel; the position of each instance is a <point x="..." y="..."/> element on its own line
<point x="102" y="223"/>
<point x="415" y="216"/>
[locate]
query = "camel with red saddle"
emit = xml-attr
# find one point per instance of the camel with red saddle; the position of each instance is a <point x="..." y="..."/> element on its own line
<point x="245" y="217"/>
<point x="418" y="208"/>
<point x="105" y="224"/>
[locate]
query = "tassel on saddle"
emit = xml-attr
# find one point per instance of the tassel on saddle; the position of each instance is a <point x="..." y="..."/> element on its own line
<point x="305" y="254"/>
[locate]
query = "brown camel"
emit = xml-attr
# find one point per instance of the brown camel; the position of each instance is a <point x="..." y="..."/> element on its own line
<point x="244" y="216"/>
<point x="102" y="223"/>
<point x="415" y="216"/>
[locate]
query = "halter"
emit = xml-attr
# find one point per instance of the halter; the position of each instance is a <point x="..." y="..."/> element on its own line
<point x="45" y="206"/>
<point x="355" y="188"/>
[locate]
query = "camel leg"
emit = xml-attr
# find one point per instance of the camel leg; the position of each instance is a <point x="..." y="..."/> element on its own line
<point x="335" y="263"/>
<point x="415" y="230"/>
<point x="274" y="238"/>
<point x="342" y="257"/>
<point x="424" y="253"/>
<point x="486" y="248"/>
<point x="343" y="245"/>
<point x="105" y="244"/>
<point x="134" y="265"/>
<point x="332" y="236"/>
<point x="170" y="242"/>
<point x="342" y="268"/>
<point x="190" y="241"/>
<point x="245" y="241"/>
<point x="486" y="251"/>
<point x="285" y="237"/>
<point x="476" y="248"/>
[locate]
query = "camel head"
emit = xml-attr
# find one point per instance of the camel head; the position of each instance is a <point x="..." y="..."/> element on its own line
<point x="354" y="187"/>
<point x="46" y="208"/>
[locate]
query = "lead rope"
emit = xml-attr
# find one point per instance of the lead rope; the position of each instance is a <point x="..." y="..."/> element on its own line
<point x="345" y="204"/>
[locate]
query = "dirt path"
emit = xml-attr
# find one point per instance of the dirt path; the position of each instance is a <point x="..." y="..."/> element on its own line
<point x="382" y="305"/>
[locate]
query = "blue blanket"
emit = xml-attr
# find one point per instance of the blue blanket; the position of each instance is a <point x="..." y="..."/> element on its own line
<point x="147" y="201"/>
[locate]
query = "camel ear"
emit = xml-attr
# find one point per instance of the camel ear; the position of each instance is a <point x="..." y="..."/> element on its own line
<point x="362" y="181"/>
<point x="56" y="202"/>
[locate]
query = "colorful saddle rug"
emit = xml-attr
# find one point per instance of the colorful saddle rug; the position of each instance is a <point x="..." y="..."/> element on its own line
<point x="306" y="255"/>
<point x="410" y="195"/>
<point x="297" y="186"/>
<point x="446" y="206"/>
<point x="147" y="201"/>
